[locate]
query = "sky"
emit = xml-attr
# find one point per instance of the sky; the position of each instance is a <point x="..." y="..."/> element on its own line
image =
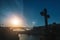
<point x="30" y="10"/>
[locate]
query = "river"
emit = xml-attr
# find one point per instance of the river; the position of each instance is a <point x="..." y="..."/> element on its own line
<point x="28" y="37"/>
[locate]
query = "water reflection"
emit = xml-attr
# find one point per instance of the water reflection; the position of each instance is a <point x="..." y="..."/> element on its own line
<point x="28" y="37"/>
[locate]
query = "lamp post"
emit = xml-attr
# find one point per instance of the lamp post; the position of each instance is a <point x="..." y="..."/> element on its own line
<point x="46" y="16"/>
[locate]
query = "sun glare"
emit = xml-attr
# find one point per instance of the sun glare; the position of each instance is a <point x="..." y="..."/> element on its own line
<point x="15" y="21"/>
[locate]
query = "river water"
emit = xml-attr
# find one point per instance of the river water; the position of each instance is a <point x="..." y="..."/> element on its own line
<point x="28" y="37"/>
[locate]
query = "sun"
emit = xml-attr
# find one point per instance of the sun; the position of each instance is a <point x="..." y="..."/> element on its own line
<point x="15" y="22"/>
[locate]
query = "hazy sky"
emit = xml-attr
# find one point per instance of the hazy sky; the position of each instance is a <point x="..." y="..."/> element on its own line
<point x="30" y="10"/>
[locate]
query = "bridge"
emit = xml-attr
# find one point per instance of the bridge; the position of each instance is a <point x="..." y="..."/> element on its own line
<point x="21" y="30"/>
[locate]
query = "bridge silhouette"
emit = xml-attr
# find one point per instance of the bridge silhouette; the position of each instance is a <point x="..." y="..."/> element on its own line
<point x="20" y="30"/>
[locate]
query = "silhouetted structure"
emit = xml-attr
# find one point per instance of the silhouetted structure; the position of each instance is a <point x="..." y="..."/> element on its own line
<point x="53" y="34"/>
<point x="44" y="13"/>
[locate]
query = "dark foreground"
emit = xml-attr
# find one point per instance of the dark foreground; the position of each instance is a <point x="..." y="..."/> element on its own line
<point x="37" y="33"/>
